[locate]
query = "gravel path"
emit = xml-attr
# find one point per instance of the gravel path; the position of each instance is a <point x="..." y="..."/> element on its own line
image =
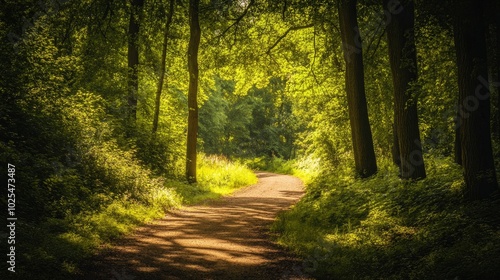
<point x="223" y="239"/>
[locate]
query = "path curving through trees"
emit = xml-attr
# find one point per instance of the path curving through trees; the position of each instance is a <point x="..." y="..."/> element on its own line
<point x="223" y="239"/>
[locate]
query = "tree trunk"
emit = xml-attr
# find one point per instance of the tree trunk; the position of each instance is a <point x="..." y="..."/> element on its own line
<point x="403" y="60"/>
<point x="396" y="156"/>
<point x="495" y="63"/>
<point x="162" y="67"/>
<point x="477" y="154"/>
<point x="364" y="154"/>
<point x="194" y="42"/>
<point x="133" y="58"/>
<point x="497" y="67"/>
<point x="458" y="145"/>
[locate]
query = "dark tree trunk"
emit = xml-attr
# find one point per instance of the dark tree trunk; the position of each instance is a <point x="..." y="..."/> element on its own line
<point x="477" y="154"/>
<point x="494" y="48"/>
<point x="162" y="67"/>
<point x="497" y="68"/>
<point x="194" y="42"/>
<point x="457" y="126"/>
<point x="403" y="60"/>
<point x="458" y="146"/>
<point x="133" y="58"/>
<point x="396" y="156"/>
<point x="364" y="154"/>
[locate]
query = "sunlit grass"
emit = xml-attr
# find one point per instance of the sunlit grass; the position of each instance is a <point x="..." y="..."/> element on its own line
<point x="217" y="177"/>
<point x="306" y="168"/>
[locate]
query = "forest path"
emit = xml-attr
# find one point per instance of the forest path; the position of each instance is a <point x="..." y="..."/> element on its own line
<point x="222" y="239"/>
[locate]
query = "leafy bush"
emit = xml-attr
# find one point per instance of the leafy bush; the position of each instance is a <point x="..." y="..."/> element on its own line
<point x="82" y="189"/>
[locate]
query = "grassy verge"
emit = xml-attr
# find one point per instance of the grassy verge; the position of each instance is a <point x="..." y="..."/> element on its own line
<point x="306" y="168"/>
<point x="53" y="248"/>
<point x="216" y="177"/>
<point x="384" y="228"/>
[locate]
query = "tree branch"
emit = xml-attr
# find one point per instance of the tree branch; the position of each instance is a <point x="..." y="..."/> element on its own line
<point x="377" y="45"/>
<point x="284" y="10"/>
<point x="293" y="28"/>
<point x="238" y="19"/>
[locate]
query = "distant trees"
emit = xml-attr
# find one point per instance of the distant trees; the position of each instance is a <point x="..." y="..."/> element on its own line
<point x="403" y="60"/>
<point x="163" y="62"/>
<point x="362" y="142"/>
<point x="258" y="124"/>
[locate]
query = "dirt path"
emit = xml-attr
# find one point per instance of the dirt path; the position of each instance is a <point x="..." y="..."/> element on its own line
<point x="225" y="239"/>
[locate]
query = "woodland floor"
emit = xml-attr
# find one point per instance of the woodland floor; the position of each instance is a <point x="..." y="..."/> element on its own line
<point x="223" y="239"/>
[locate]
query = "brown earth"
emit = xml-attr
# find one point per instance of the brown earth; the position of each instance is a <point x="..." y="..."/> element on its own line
<point x="223" y="239"/>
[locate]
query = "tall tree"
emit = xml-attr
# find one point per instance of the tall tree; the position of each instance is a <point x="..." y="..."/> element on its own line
<point x="496" y="18"/>
<point x="457" y="146"/>
<point x="474" y="98"/>
<point x="403" y="60"/>
<point x="364" y="154"/>
<point x="494" y="61"/>
<point x="194" y="43"/>
<point x="133" y="57"/>
<point x="162" y="66"/>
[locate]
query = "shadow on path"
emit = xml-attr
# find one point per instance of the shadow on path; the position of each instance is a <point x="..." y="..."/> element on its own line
<point x="226" y="239"/>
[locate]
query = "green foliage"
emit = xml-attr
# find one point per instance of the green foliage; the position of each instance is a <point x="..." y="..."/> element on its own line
<point x="87" y="175"/>
<point x="271" y="164"/>
<point x="437" y="98"/>
<point x="395" y="229"/>
<point x="82" y="182"/>
<point x="260" y="123"/>
<point x="217" y="176"/>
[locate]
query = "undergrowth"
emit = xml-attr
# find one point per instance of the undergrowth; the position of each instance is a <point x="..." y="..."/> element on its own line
<point x="385" y="228"/>
<point x="79" y="187"/>
<point x="54" y="247"/>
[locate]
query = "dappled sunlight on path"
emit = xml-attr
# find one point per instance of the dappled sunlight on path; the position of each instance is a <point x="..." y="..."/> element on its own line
<point x="224" y="239"/>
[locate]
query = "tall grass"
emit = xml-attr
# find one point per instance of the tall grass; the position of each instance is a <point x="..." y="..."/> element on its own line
<point x="385" y="228"/>
<point x="217" y="176"/>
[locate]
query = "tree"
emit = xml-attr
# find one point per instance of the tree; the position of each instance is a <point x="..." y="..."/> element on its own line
<point x="194" y="42"/>
<point x="133" y="57"/>
<point x="162" y="66"/>
<point x="494" y="61"/>
<point x="364" y="154"/>
<point x="496" y="64"/>
<point x="403" y="61"/>
<point x="474" y="100"/>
